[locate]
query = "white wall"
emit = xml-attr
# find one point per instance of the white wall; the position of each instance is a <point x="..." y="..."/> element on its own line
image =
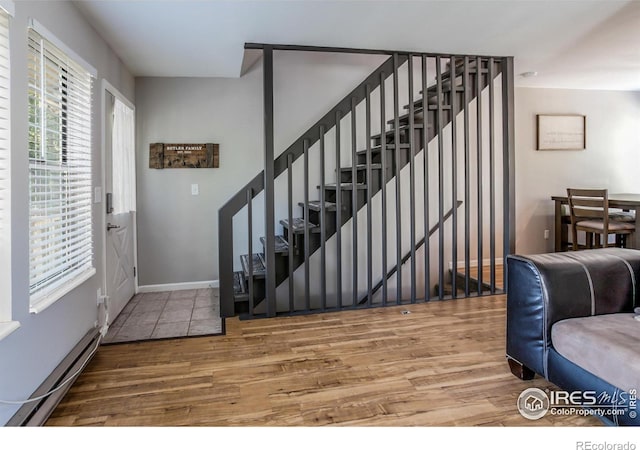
<point x="611" y="159"/>
<point x="28" y="355"/>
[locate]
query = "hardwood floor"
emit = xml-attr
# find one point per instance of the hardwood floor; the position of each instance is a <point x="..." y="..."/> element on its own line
<point x="443" y="364"/>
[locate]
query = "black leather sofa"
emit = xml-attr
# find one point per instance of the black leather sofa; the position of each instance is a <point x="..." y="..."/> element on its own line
<point x="570" y="319"/>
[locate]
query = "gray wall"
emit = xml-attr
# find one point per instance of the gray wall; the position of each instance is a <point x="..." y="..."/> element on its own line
<point x="177" y="239"/>
<point x="611" y="159"/>
<point x="28" y="355"/>
<point x="178" y="232"/>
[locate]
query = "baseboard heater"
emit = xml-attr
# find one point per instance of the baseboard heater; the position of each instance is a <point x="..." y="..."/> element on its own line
<point x="36" y="413"/>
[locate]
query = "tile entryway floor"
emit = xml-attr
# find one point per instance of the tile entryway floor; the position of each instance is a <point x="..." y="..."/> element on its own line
<point x="161" y="315"/>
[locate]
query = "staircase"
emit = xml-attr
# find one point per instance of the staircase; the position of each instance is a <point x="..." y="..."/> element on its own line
<point x="337" y="203"/>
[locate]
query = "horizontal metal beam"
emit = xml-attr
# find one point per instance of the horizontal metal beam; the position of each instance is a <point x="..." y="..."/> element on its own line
<point x="362" y="51"/>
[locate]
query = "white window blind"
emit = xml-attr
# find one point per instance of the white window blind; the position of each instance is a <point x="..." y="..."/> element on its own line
<point x="124" y="161"/>
<point x="5" y="158"/>
<point x="60" y="236"/>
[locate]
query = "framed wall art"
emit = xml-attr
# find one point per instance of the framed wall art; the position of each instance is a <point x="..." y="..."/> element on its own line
<point x="184" y="156"/>
<point x="561" y="132"/>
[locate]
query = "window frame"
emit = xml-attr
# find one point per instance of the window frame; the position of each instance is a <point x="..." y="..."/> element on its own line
<point x="46" y="291"/>
<point x="7" y="324"/>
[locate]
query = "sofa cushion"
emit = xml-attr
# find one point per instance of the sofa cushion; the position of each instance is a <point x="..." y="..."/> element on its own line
<point x="608" y="346"/>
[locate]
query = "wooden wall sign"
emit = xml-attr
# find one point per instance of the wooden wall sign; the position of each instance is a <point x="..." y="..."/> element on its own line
<point x="183" y="156"/>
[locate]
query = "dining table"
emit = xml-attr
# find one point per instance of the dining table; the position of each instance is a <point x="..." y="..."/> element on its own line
<point x="624" y="201"/>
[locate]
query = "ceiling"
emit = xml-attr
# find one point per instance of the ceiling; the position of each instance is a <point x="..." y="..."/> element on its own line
<point x="585" y="44"/>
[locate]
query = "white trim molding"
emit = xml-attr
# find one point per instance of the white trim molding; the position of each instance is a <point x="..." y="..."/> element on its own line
<point x="49" y="36"/>
<point x="6" y="328"/>
<point x="106" y="86"/>
<point x="50" y="297"/>
<point x="9" y="6"/>
<point x="179" y="286"/>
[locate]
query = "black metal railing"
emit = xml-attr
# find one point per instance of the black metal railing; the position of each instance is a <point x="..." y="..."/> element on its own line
<point x="431" y="120"/>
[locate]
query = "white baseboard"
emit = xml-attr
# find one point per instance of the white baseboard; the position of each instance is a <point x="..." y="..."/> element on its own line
<point x="179" y="286"/>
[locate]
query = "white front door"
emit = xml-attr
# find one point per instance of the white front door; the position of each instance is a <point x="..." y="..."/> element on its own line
<point x="120" y="225"/>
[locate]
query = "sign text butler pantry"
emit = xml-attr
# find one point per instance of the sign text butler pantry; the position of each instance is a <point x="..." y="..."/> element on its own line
<point x="183" y="156"/>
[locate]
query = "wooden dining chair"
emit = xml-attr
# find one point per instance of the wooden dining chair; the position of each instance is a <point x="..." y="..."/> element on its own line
<point x="589" y="211"/>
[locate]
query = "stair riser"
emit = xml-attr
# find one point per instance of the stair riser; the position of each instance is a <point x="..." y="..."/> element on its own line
<point x="404" y="137"/>
<point x="376" y="156"/>
<point x="242" y="307"/>
<point x="361" y="177"/>
<point x="347" y="201"/>
<point x="330" y="217"/>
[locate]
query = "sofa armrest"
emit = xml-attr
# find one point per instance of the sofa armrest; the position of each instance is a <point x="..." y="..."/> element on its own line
<point x="544" y="289"/>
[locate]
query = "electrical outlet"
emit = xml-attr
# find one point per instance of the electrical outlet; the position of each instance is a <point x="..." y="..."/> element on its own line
<point x="546" y="234"/>
<point x="195" y="189"/>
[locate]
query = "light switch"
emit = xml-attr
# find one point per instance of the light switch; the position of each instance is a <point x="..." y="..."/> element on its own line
<point x="97" y="195"/>
<point x="195" y="190"/>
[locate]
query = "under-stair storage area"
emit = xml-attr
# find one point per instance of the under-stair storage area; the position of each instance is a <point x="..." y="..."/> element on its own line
<point x="407" y="177"/>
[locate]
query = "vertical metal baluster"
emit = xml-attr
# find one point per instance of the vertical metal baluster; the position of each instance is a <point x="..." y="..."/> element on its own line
<point x="338" y="217"/>
<point x="323" y="226"/>
<point x="508" y="163"/>
<point x="269" y="185"/>
<point x="396" y="124"/>
<point x="479" y="169"/>
<point x="307" y="246"/>
<point x="383" y="163"/>
<point x="453" y="96"/>
<point x="290" y="234"/>
<point x="492" y="181"/>
<point x="412" y="182"/>
<point x="354" y="200"/>
<point x="369" y="196"/>
<point x="439" y="128"/>
<point x="225" y="261"/>
<point x="425" y="152"/>
<point x="250" y="243"/>
<point x="467" y="182"/>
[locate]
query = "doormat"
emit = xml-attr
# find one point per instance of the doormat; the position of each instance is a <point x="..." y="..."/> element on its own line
<point x="168" y="315"/>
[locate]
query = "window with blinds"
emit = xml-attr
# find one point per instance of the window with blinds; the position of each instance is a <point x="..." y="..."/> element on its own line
<point x="5" y="199"/>
<point x="60" y="237"/>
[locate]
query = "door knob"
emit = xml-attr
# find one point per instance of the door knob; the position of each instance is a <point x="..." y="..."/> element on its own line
<point x="111" y="227"/>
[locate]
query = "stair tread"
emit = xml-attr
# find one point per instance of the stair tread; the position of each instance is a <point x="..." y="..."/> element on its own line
<point x="315" y="205"/>
<point x="345" y="186"/>
<point x="418" y="104"/>
<point x="432" y="99"/>
<point x="239" y="286"/>
<point x="417" y="112"/>
<point x="259" y="269"/>
<point x="361" y="167"/>
<point x="299" y="225"/>
<point x="282" y="246"/>
<point x="378" y="148"/>
<point x="402" y="128"/>
<point x="432" y="88"/>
